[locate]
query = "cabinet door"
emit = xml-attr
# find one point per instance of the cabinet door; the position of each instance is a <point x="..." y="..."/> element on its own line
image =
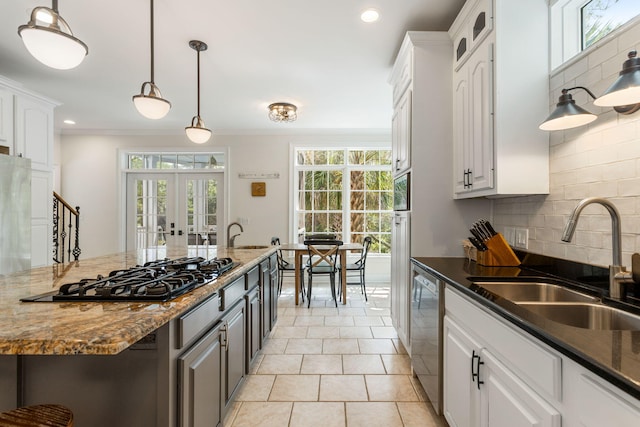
<point x="461" y="395"/>
<point x="506" y="401"/>
<point x="199" y="382"/>
<point x="461" y="143"/>
<point x="235" y="350"/>
<point x="266" y="300"/>
<point x="34" y="132"/>
<point x="400" y="284"/>
<point x="254" y="333"/>
<point x="6" y="119"/>
<point x="481" y="117"/>
<point x="401" y="134"/>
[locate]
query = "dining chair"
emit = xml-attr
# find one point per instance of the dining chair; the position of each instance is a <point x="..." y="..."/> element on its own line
<point x="323" y="257"/>
<point x="286" y="267"/>
<point x="358" y="268"/>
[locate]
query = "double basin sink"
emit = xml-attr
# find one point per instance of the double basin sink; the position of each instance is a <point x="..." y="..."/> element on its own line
<point x="562" y="305"/>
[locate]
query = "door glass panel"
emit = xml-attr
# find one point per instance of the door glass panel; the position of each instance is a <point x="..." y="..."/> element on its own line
<point x="151" y="217"/>
<point x="201" y="214"/>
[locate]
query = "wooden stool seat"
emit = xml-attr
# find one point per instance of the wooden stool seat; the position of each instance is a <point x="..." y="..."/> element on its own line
<point x="37" y="416"/>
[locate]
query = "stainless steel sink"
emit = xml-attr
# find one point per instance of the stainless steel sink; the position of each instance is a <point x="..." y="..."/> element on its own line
<point x="534" y="292"/>
<point x="585" y="315"/>
<point x="250" y="247"/>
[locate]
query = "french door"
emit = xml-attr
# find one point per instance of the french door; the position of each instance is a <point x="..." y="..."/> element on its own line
<point x="174" y="212"/>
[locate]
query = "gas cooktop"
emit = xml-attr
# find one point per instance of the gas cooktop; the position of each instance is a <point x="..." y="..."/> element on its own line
<point x="160" y="280"/>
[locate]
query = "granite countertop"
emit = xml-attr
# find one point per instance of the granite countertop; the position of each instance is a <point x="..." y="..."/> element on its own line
<point x="614" y="355"/>
<point x="38" y="328"/>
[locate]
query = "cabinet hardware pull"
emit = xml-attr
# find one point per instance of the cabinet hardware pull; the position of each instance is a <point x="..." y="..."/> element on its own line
<point x="397" y="163"/>
<point x="224" y="341"/>
<point x="475" y="371"/>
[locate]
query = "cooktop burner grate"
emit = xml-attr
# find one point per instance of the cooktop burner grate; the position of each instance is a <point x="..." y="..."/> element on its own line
<point x="160" y="280"/>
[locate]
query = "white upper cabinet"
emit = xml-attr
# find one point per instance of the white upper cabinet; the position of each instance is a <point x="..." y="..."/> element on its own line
<point x="500" y="92"/>
<point x="6" y="117"/>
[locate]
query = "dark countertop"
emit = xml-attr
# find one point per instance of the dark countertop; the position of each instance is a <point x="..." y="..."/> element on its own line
<point x="613" y="355"/>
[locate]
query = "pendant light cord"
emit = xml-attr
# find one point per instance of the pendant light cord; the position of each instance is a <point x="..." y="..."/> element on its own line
<point x="198" y="83"/>
<point x="152" y="50"/>
<point x="54" y="5"/>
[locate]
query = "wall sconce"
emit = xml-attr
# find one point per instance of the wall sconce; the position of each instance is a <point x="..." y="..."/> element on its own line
<point x="197" y="132"/>
<point x="152" y="106"/>
<point x="567" y="114"/>
<point x="49" y="39"/>
<point x="623" y="95"/>
<point x="283" y="112"/>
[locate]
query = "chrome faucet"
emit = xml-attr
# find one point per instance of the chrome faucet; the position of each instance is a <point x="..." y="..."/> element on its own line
<point x="617" y="272"/>
<point x="231" y="239"/>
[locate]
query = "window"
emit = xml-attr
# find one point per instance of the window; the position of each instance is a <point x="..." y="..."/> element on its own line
<point x="175" y="161"/>
<point x="345" y="191"/>
<point x="578" y="24"/>
<point x="600" y="17"/>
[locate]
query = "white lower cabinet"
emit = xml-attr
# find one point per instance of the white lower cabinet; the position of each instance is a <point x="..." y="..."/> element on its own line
<point x="481" y="388"/>
<point x="400" y="283"/>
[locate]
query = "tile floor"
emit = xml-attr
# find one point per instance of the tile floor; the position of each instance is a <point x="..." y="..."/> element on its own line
<point x="329" y="367"/>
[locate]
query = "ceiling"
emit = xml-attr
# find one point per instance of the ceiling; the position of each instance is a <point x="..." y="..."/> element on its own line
<point x="317" y="55"/>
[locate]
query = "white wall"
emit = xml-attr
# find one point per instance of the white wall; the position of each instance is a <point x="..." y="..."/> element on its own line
<point x="90" y="179"/>
<point x="601" y="159"/>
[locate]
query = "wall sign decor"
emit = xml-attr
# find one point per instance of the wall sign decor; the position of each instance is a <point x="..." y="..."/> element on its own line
<point x="258" y="189"/>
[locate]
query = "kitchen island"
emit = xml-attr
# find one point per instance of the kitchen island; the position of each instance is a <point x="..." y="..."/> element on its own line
<point x="118" y="363"/>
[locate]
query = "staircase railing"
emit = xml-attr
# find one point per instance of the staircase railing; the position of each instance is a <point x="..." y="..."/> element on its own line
<point x="66" y="222"/>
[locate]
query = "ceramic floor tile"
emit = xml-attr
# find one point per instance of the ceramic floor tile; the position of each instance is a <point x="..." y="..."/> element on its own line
<point x="321" y="364"/>
<point x="280" y="364"/>
<point x="329" y="311"/>
<point x="274" y="346"/>
<point x="368" y="321"/>
<point x="323" y="332"/>
<point x="253" y="369"/>
<point x="304" y="346"/>
<point x="231" y="414"/>
<point x="340" y="346"/>
<point x="362" y="364"/>
<point x="338" y="321"/>
<point x="289" y="332"/>
<point x="397" y="363"/>
<point x="263" y="414"/>
<point x="419" y="414"/>
<point x="399" y="347"/>
<point x="373" y="414"/>
<point x="355" y="332"/>
<point x="256" y="388"/>
<point x="290" y="388"/>
<point x="286" y="320"/>
<point x="297" y="311"/>
<point x="384" y="332"/>
<point x="376" y="346"/>
<point x="387" y="321"/>
<point x="309" y="321"/>
<point x="352" y="311"/>
<point x="342" y="388"/>
<point x="378" y="311"/>
<point x="391" y="388"/>
<point x="317" y="414"/>
<point x="417" y="387"/>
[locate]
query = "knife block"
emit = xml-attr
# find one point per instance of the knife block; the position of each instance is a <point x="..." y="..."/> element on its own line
<point x="498" y="253"/>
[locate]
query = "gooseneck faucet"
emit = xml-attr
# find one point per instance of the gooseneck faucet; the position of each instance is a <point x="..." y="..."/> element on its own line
<point x="617" y="272"/>
<point x="231" y="239"/>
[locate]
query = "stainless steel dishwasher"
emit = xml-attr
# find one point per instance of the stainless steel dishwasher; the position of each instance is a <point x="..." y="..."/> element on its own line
<point x="427" y="311"/>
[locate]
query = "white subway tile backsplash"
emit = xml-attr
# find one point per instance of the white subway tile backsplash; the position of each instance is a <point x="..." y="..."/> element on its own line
<point x="603" y="53"/>
<point x="580" y="67"/>
<point x="629" y="187"/>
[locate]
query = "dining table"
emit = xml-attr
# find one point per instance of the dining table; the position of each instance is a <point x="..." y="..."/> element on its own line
<point x="300" y="249"/>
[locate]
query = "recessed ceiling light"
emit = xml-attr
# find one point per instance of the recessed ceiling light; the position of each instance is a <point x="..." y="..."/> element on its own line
<point x="69" y="122"/>
<point x="370" y="15"/>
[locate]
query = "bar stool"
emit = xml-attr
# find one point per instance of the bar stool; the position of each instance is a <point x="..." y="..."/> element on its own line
<point x="38" y="416"/>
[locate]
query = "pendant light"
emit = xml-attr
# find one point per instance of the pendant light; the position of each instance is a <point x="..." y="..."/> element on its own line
<point x="624" y="94"/>
<point x="49" y="39"/>
<point x="567" y="114"/>
<point x="152" y="105"/>
<point x="197" y="132"/>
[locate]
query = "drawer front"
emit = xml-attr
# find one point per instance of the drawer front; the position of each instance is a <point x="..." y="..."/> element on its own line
<point x="232" y="293"/>
<point x="197" y="321"/>
<point x="253" y="278"/>
<point x="535" y="365"/>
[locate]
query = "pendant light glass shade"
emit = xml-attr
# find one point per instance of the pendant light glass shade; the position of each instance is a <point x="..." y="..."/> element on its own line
<point x="567" y="114"/>
<point x="197" y="132"/>
<point x="49" y="39"/>
<point x="625" y="91"/>
<point x="151" y="105"/>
